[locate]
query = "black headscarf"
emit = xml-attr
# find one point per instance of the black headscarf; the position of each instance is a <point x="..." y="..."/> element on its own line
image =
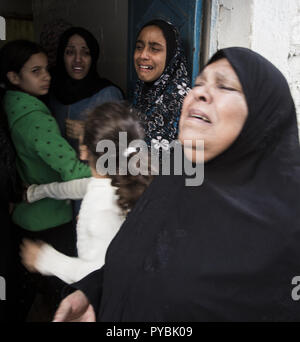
<point x="159" y="103"/>
<point x="229" y="249"/>
<point x="66" y="89"/>
<point x="270" y="106"/>
<point x="246" y="216"/>
<point x="169" y="33"/>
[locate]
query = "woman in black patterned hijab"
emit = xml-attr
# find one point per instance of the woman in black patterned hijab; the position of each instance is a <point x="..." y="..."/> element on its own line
<point x="163" y="81"/>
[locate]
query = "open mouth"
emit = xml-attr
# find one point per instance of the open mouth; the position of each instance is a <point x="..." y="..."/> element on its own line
<point x="202" y="117"/>
<point x="146" y="67"/>
<point x="77" y="69"/>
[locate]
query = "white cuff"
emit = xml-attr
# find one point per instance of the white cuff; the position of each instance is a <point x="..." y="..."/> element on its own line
<point x="33" y="193"/>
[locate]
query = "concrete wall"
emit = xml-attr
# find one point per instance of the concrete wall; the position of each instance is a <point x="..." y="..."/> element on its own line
<point x="230" y="24"/>
<point x="270" y="27"/>
<point x="276" y="34"/>
<point x="106" y="19"/>
<point x="294" y="55"/>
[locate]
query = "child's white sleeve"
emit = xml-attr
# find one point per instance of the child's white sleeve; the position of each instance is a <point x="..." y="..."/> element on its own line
<point x="72" y="269"/>
<point x="50" y="262"/>
<point x="74" y="190"/>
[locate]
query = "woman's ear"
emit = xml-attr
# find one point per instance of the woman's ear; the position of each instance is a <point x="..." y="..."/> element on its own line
<point x="13" y="78"/>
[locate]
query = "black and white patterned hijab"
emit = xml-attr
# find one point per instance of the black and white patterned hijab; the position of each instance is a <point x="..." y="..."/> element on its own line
<point x="159" y="103"/>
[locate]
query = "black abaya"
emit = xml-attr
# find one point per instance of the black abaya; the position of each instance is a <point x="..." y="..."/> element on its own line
<point x="229" y="249"/>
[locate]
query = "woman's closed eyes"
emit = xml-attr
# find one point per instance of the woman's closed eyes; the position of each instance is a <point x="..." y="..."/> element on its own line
<point x="154" y="47"/>
<point x="219" y="85"/>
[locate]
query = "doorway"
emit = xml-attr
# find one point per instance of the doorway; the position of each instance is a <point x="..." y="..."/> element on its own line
<point x="115" y="24"/>
<point x="186" y="15"/>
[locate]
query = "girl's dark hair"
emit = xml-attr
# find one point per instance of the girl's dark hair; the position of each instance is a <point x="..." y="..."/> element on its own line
<point x="104" y="123"/>
<point x="13" y="55"/>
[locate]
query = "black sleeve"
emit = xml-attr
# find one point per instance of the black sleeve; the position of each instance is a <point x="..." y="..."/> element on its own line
<point x="91" y="286"/>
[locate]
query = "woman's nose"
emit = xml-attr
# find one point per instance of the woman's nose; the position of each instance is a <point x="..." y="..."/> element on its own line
<point x="202" y="93"/>
<point x="144" y="53"/>
<point x="78" y="57"/>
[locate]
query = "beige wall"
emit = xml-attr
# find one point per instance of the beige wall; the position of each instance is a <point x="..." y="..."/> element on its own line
<point x="270" y="27"/>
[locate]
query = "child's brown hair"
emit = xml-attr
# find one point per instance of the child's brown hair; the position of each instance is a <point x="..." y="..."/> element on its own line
<point x="105" y="122"/>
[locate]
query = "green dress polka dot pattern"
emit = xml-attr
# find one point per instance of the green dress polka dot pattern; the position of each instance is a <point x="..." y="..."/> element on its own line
<point x="44" y="156"/>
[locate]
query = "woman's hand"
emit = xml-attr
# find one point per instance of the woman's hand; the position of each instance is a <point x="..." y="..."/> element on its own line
<point x="75" y="308"/>
<point x="29" y="252"/>
<point x="74" y="128"/>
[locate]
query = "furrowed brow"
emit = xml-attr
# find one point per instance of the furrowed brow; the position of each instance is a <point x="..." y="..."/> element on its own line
<point x="221" y="77"/>
<point x="202" y="76"/>
<point x="155" y="44"/>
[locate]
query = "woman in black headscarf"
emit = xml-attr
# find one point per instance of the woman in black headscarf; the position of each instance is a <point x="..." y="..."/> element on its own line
<point x="227" y="250"/>
<point x="76" y="85"/>
<point x="163" y="82"/>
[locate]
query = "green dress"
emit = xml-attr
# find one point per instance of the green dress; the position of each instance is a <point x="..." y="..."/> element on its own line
<point x="43" y="156"/>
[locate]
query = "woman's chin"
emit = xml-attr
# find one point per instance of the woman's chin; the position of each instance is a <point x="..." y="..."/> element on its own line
<point x="194" y="154"/>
